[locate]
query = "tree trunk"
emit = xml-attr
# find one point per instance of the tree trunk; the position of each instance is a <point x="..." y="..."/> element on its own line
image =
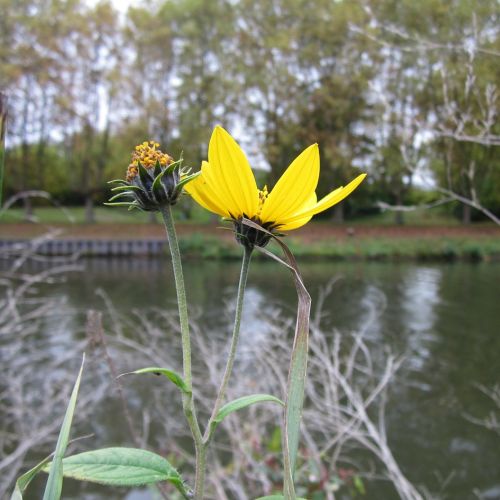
<point x="399" y="218"/>
<point x="466" y="214"/>
<point x="89" y="209"/>
<point x="338" y="214"/>
<point x="28" y="209"/>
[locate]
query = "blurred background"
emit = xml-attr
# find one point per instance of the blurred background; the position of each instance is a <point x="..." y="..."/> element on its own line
<point x="402" y="90"/>
<point x="403" y="274"/>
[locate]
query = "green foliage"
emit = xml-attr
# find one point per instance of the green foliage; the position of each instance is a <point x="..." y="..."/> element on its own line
<point x="54" y="482"/>
<point x="171" y="375"/>
<point x="298" y="73"/>
<point x="53" y="487"/>
<point x="122" y="467"/>
<point x="23" y="481"/>
<point x="240" y="403"/>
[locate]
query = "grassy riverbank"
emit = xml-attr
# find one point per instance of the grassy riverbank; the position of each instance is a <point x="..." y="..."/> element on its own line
<point x="424" y="238"/>
<point x="374" y="248"/>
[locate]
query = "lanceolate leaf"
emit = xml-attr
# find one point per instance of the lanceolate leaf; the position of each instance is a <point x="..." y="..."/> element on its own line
<point x="122" y="467"/>
<point x="54" y="482"/>
<point x="240" y="403"/>
<point x="24" y="480"/>
<point x="174" y="377"/>
<point x="298" y="365"/>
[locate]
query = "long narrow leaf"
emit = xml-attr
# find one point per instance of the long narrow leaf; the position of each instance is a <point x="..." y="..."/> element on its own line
<point x="24" y="480"/>
<point x="240" y="403"/>
<point x="54" y="482"/>
<point x="298" y="365"/>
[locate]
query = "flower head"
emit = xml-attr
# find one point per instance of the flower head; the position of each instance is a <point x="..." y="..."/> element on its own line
<point x="226" y="186"/>
<point x="153" y="179"/>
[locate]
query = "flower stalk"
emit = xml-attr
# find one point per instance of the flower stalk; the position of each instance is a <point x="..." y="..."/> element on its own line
<point x="245" y="264"/>
<point x="187" y="396"/>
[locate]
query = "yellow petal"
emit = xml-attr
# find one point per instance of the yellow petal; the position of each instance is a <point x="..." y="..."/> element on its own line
<point x="300" y="222"/>
<point x="328" y="201"/>
<point x="294" y="187"/>
<point x="294" y="225"/>
<point x="213" y="187"/>
<point x="233" y="175"/>
<point x="203" y="194"/>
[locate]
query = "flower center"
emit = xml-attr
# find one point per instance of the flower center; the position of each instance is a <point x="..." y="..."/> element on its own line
<point x="147" y="154"/>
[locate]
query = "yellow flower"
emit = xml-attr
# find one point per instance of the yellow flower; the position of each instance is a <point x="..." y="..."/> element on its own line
<point x="226" y="186"/>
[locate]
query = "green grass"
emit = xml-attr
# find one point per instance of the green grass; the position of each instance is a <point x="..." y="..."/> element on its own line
<point x="422" y="217"/>
<point x="390" y="249"/>
<point x="103" y="214"/>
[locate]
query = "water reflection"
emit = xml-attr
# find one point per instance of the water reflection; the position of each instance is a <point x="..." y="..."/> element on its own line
<point x="443" y="317"/>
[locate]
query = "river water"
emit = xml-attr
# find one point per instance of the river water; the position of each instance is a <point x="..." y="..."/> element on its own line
<point x="444" y="318"/>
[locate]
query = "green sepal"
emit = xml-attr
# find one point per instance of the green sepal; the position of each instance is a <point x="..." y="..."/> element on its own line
<point x="173" y="376"/>
<point x="124" y="188"/>
<point x="173" y="166"/>
<point x="119" y="195"/>
<point x="157" y="169"/>
<point x="157" y="182"/>
<point x="119" y="204"/>
<point x="114" y="181"/>
<point x="144" y="175"/>
<point x="240" y="403"/>
<point x="184" y="181"/>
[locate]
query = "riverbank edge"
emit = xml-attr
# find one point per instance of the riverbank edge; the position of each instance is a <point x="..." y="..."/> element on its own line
<point x="485" y="248"/>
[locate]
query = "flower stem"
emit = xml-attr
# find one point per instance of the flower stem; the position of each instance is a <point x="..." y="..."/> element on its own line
<point x="187" y="397"/>
<point x="247" y="254"/>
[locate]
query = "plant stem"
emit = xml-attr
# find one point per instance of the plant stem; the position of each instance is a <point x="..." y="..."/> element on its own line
<point x="247" y="254"/>
<point x="187" y="397"/>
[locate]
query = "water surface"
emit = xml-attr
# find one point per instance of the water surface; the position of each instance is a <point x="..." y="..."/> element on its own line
<point x="443" y="317"/>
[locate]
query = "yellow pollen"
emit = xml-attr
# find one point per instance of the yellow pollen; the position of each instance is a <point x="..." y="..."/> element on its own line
<point x="262" y="198"/>
<point x="147" y="154"/>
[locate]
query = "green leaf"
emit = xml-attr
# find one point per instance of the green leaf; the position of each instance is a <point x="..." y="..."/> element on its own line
<point x="240" y="403"/>
<point x="24" y="480"/>
<point x="358" y="484"/>
<point x="53" y="487"/>
<point x="122" y="467"/>
<point x="174" y="377"/>
<point x="298" y="364"/>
